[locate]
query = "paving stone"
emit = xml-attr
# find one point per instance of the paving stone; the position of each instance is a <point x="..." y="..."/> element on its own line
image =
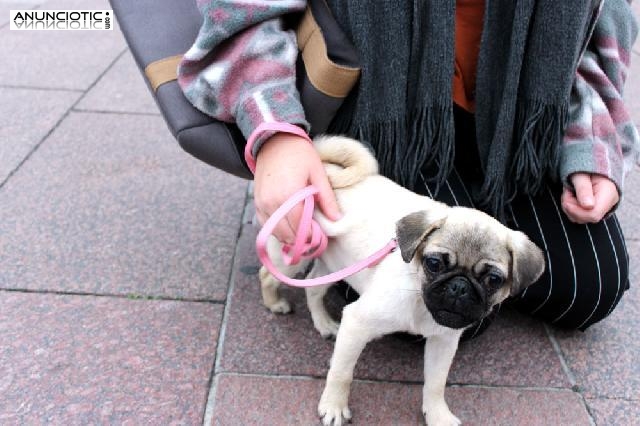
<point x="614" y="412"/>
<point x="514" y="351"/>
<point x="633" y="248"/>
<point x="99" y="360"/>
<point x="111" y="204"/>
<point x="632" y="87"/>
<point x="629" y="210"/>
<point x="64" y="59"/>
<point x="632" y="193"/>
<point x="121" y="89"/>
<point x="273" y="401"/>
<point x="604" y="358"/>
<point x="25" y="118"/>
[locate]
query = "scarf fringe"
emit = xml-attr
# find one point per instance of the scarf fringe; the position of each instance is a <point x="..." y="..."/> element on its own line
<point x="404" y="146"/>
<point x="537" y="138"/>
<point x="539" y="128"/>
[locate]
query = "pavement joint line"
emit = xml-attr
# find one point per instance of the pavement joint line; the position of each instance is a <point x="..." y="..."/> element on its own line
<point x="246" y="220"/>
<point x="61" y="119"/>
<point x="49" y="89"/>
<point x="213" y="382"/>
<point x="207" y="420"/>
<point x="613" y="398"/>
<point x="558" y="350"/>
<point x="592" y="419"/>
<point x="131" y="296"/>
<point x="410" y="383"/>
<point x="105" y="112"/>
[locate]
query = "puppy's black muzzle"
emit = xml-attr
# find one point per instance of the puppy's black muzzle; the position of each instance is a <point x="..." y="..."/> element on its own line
<point x="458" y="288"/>
<point x="455" y="302"/>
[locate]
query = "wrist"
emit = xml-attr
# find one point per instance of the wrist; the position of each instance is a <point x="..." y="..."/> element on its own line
<point x="279" y="142"/>
<point x="266" y="131"/>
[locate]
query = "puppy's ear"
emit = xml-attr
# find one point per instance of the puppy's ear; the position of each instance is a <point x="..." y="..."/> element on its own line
<point x="527" y="262"/>
<point x="413" y="229"/>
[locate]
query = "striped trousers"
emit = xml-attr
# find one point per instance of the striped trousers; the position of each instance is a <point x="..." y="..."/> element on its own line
<point x="587" y="269"/>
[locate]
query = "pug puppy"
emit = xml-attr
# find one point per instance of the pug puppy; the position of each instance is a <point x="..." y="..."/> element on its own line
<point x="454" y="264"/>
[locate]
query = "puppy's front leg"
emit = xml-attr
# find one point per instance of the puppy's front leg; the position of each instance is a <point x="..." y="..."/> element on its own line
<point x="353" y="335"/>
<point x="322" y="321"/>
<point x="438" y="355"/>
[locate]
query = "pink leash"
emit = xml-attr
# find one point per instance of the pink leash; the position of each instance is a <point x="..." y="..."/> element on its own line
<point x="314" y="248"/>
<point x="301" y="249"/>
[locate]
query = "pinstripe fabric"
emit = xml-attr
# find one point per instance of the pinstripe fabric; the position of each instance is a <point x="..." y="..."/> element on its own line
<point x="587" y="265"/>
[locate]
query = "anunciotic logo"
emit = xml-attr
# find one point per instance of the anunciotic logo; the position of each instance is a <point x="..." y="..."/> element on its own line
<point x="61" y="20"/>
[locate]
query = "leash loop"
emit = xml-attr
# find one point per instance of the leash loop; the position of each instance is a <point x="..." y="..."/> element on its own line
<point x="301" y="249"/>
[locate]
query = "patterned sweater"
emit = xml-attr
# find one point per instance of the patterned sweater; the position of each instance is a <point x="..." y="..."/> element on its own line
<point x="241" y="69"/>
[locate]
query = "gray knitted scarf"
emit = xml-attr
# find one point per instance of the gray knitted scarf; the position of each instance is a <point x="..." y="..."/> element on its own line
<point x="403" y="105"/>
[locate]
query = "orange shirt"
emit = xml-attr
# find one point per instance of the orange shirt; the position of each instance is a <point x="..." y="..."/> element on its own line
<point x="469" y="23"/>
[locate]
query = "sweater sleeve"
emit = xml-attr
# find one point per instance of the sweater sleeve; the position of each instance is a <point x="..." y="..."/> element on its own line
<point x="241" y="67"/>
<point x="601" y="137"/>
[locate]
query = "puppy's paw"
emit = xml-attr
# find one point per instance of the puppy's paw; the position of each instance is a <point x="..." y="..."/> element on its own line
<point x="327" y="328"/>
<point x="440" y="416"/>
<point x="281" y="306"/>
<point x="333" y="409"/>
<point x="334" y="415"/>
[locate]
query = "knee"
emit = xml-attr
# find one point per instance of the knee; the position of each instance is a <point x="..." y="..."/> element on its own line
<point x="579" y="296"/>
<point x="594" y="296"/>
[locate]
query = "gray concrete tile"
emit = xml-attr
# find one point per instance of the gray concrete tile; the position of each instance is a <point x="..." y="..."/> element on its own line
<point x="100" y="360"/>
<point x="633" y="253"/>
<point x="604" y="358"/>
<point x="515" y="351"/>
<point x="26" y="116"/>
<point x="121" y="89"/>
<point x="629" y="211"/>
<point x="632" y="187"/>
<point x="614" y="412"/>
<point x="59" y="59"/>
<point x="111" y="204"/>
<point x="253" y="400"/>
<point x="632" y="88"/>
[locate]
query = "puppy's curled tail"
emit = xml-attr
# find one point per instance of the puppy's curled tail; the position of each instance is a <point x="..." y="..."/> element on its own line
<point x="347" y="161"/>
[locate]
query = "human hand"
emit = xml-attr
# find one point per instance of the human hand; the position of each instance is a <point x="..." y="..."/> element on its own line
<point x="285" y="164"/>
<point x="595" y="195"/>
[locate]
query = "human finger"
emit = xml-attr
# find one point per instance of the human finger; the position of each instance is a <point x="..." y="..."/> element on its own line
<point x="606" y="193"/>
<point x="584" y="190"/>
<point x="283" y="230"/>
<point x="573" y="210"/>
<point x="326" y="197"/>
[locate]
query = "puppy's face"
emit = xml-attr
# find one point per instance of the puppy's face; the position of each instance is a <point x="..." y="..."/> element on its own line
<point x="468" y="262"/>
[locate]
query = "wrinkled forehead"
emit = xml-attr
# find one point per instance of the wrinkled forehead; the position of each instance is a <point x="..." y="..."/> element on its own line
<point x="471" y="236"/>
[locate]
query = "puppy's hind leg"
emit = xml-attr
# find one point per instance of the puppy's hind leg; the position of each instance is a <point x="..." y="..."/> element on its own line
<point x="270" y="296"/>
<point x="269" y="284"/>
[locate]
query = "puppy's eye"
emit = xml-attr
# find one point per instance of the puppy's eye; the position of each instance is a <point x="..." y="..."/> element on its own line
<point x="433" y="264"/>
<point x="494" y="280"/>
